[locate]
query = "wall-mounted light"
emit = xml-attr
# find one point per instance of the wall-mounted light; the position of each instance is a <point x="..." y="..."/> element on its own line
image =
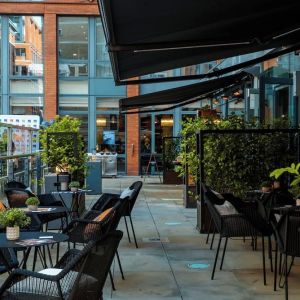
<point x="101" y="122"/>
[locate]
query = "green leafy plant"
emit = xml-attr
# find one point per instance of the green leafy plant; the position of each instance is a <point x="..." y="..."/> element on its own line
<point x="74" y="184"/>
<point x="59" y="153"/>
<point x="14" y="217"/>
<point x="234" y="162"/>
<point x="32" y="201"/>
<point x="293" y="170"/>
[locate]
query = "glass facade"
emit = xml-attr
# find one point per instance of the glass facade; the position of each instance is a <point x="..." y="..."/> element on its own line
<point x="26" y="75"/>
<point x="84" y="75"/>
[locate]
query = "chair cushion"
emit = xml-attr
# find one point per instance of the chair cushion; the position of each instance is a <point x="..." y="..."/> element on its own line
<point x="226" y="209"/>
<point x="126" y="193"/>
<point x="103" y="215"/>
<point x="2" y="206"/>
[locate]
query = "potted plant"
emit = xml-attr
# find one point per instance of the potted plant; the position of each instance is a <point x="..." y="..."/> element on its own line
<point x="32" y="203"/>
<point x="13" y="219"/>
<point x="74" y="186"/>
<point x="64" y="147"/>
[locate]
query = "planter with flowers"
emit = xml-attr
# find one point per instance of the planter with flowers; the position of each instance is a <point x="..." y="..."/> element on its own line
<point x="13" y="219"/>
<point x="32" y="203"/>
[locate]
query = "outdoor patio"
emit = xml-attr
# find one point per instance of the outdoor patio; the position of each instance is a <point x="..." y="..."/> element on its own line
<point x="161" y="269"/>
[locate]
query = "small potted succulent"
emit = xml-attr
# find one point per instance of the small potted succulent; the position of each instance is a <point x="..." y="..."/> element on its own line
<point x="74" y="186"/>
<point x="13" y="219"/>
<point x="32" y="203"/>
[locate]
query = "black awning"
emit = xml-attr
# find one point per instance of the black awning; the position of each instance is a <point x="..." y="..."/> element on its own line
<point x="148" y="36"/>
<point x="181" y="94"/>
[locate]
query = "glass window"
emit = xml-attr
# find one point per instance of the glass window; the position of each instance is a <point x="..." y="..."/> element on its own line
<point x="111" y="133"/>
<point x="26" y="105"/>
<point x="73" y="38"/>
<point x="73" y="87"/>
<point x="26" y="45"/>
<point x="103" y="67"/>
<point x="73" y="69"/>
<point x="26" y="86"/>
<point x="163" y="128"/>
<point x="145" y="133"/>
<point x="73" y="103"/>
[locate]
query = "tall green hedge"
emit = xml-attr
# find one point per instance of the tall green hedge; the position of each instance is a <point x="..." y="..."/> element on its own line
<point x="240" y="162"/>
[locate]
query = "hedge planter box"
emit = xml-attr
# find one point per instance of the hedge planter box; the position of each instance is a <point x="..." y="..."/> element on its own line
<point x="171" y="177"/>
<point x="204" y="223"/>
<point x="189" y="200"/>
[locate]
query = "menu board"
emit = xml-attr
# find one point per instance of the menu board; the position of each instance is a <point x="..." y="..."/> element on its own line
<point x="20" y="137"/>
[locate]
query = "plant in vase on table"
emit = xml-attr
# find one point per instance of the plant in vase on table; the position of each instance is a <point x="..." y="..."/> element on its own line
<point x="13" y="219"/>
<point x="32" y="203"/>
<point x="74" y="186"/>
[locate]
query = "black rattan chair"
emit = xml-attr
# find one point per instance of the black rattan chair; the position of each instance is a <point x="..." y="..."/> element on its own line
<point x="288" y="240"/>
<point x="108" y="197"/>
<point x="256" y="214"/>
<point x="78" y="275"/>
<point x="8" y="260"/>
<point x="87" y="228"/>
<point x="228" y="226"/>
<point x="17" y="197"/>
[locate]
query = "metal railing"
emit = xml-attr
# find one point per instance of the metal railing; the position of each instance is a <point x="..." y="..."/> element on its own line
<point x="20" y="158"/>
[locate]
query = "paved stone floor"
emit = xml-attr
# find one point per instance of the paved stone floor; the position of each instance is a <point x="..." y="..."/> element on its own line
<point x="161" y="269"/>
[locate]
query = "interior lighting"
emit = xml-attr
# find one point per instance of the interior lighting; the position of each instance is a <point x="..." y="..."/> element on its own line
<point x="101" y="122"/>
<point x="167" y="122"/>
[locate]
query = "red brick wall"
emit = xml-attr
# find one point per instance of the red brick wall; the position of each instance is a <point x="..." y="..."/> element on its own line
<point x="133" y="137"/>
<point x="50" y="66"/>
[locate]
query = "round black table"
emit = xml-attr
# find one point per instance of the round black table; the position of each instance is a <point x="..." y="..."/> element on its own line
<point x="36" y="239"/>
<point x="46" y="210"/>
<point x="47" y="238"/>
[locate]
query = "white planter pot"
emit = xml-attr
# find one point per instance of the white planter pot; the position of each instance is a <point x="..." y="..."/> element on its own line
<point x="32" y="207"/>
<point x="74" y="189"/>
<point x="12" y="233"/>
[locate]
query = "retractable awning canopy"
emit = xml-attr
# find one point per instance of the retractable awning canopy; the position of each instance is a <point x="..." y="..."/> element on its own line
<point x="148" y="36"/>
<point x="180" y="95"/>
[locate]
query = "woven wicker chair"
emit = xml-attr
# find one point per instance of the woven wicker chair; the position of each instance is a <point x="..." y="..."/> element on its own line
<point x="288" y="240"/>
<point x="107" y="198"/>
<point x="8" y="260"/>
<point x="256" y="214"/>
<point x="17" y="197"/>
<point x="228" y="226"/>
<point x="78" y="275"/>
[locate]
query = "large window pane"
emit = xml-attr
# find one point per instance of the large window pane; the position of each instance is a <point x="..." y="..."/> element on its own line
<point x="73" y="38"/>
<point x="26" y="86"/>
<point x="26" y="45"/>
<point x="73" y="103"/>
<point x="26" y="105"/>
<point x="103" y="68"/>
<point x="73" y="69"/>
<point x="76" y="87"/>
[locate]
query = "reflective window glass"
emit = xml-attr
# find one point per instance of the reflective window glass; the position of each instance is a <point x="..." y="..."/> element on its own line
<point x="26" y="45"/>
<point x="73" y="38"/>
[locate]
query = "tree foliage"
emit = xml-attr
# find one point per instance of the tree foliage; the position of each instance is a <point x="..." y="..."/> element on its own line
<point x="60" y="153"/>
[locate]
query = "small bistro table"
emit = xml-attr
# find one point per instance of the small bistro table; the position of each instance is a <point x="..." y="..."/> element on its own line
<point x="30" y="239"/>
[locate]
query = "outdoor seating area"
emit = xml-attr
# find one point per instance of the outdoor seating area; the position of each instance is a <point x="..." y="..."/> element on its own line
<point x="149" y="150"/>
<point x="172" y="261"/>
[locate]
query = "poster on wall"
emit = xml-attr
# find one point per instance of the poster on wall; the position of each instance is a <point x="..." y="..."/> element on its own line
<point x="21" y="137"/>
